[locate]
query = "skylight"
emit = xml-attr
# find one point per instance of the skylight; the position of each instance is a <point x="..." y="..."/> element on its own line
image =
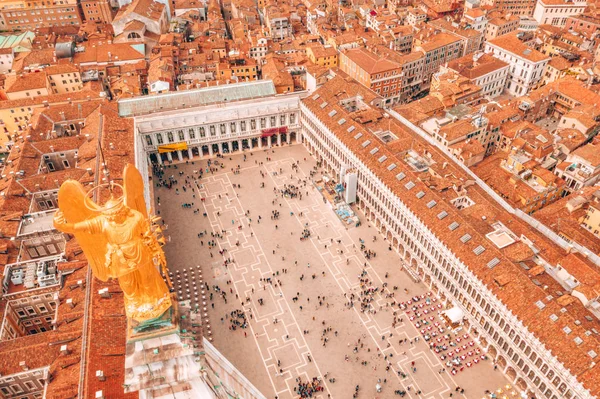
<point x="453" y="226"/>
<point x="382" y="158"/>
<point x="332" y="112"/>
<point x="342" y="121"/>
<point x="392" y="167"/>
<point x="400" y="176"/>
<point x="351" y="129"/>
<point x="431" y="204"/>
<point x="420" y="194"/>
<point x="323" y="105"/>
<point x="479" y="250"/>
<point x="493" y="263"/>
<point x="409" y="185"/>
<point x="366" y="143"/>
<point x="466" y="238"/>
<point x="358" y="135"/>
<point x="316" y="96"/>
<point x="442" y="215"/>
<point x="374" y="151"/>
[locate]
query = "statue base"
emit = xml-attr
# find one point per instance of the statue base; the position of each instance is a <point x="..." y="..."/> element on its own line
<point x="166" y="323"/>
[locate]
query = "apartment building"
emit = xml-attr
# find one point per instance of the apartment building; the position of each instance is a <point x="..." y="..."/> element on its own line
<point x="382" y="75"/>
<point x="462" y="244"/>
<point x="98" y="11"/>
<point x="483" y="70"/>
<point x="581" y="168"/>
<point x="326" y="56"/>
<point x="556" y="12"/>
<point x="35" y="14"/>
<point x="500" y="24"/>
<point x="64" y="78"/>
<point x="527" y="65"/>
<point x="439" y="49"/>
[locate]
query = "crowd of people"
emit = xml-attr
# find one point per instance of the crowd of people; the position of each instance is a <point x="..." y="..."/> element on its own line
<point x="370" y="295"/>
<point x="309" y="388"/>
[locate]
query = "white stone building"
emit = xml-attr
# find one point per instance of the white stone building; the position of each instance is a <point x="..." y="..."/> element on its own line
<point x="556" y="12"/>
<point x="526" y="64"/>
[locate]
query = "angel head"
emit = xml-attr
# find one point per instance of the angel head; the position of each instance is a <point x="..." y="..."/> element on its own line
<point x="115" y="209"/>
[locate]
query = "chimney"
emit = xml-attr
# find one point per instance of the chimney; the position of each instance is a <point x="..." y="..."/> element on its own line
<point x="23" y="365"/>
<point x="70" y="303"/>
<point x="99" y="395"/>
<point x="100" y="375"/>
<point x="104" y="293"/>
<point x="64" y="350"/>
<point x="89" y="170"/>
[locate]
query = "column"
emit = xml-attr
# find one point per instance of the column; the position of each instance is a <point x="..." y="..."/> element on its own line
<point x="288" y="137"/>
<point x="270" y="141"/>
<point x="179" y="155"/>
<point x="190" y="153"/>
<point x="250" y="143"/>
<point x="210" y="150"/>
<point x="169" y="156"/>
<point x="279" y="140"/>
<point x="200" y="152"/>
<point x="159" y="158"/>
<point x="240" y="147"/>
<point x="260" y="142"/>
<point x="220" y="148"/>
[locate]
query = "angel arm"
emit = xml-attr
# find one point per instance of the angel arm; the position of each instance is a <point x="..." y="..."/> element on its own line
<point x="91" y="226"/>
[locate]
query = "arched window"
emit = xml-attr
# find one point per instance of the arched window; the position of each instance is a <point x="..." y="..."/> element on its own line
<point x="134" y="35"/>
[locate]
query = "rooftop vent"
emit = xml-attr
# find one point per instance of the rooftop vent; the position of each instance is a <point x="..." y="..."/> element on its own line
<point x="567" y="330"/>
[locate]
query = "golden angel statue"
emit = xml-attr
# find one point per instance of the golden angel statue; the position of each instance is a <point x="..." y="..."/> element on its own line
<point x="119" y="241"/>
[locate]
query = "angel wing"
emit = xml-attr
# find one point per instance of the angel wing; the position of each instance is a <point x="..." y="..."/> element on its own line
<point x="133" y="187"/>
<point x="71" y="197"/>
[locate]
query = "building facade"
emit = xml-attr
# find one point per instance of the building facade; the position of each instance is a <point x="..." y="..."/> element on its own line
<point x="33" y="14"/>
<point x="199" y="123"/>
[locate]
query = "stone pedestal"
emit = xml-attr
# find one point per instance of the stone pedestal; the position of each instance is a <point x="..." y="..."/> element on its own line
<point x="167" y="355"/>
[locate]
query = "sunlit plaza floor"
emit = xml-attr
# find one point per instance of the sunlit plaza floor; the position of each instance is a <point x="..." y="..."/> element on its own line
<point x="284" y="338"/>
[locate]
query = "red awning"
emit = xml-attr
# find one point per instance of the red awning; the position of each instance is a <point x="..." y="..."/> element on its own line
<point x="273" y="131"/>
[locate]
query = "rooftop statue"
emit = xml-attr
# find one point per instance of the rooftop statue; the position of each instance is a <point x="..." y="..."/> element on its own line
<point x="119" y="240"/>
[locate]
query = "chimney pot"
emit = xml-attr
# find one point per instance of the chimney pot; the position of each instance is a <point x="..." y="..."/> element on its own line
<point x="100" y="375"/>
<point x="70" y="302"/>
<point x="64" y="350"/>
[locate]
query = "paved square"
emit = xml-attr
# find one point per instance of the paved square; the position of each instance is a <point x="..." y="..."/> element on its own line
<point x="282" y="307"/>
